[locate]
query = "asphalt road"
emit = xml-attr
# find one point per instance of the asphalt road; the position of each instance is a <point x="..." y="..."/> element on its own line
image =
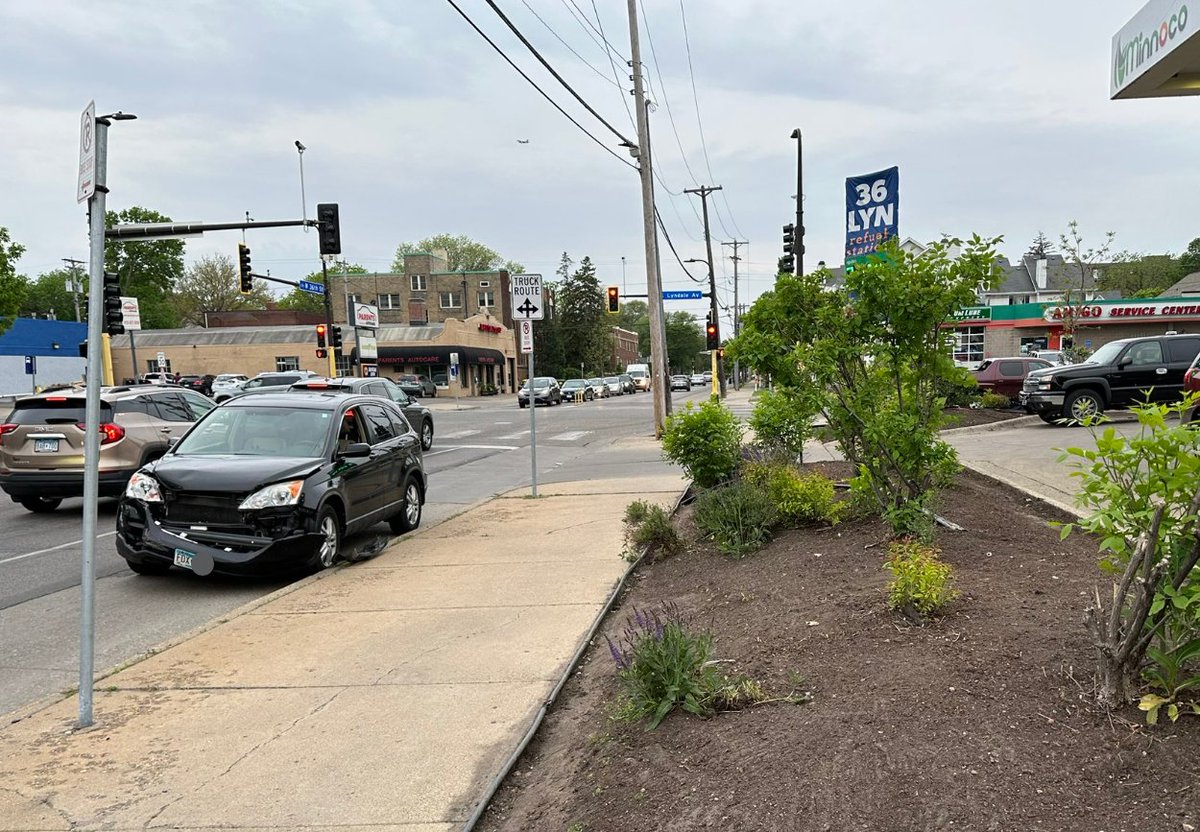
<point x="477" y="453"/>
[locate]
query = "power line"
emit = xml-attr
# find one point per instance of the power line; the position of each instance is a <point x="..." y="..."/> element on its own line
<point x="670" y="244"/>
<point x="570" y="48"/>
<point x="612" y="63"/>
<point x="554" y="72"/>
<point x="599" y="31"/>
<point x="534" y="84"/>
<point x="700" y="124"/>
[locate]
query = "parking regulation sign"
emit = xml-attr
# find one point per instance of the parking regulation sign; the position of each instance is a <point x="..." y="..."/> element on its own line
<point x="526" y="328"/>
<point x="527" y="297"/>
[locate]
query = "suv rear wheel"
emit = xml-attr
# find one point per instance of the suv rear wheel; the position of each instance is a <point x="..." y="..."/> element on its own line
<point x="1082" y="405"/>
<point x="41" y="505"/>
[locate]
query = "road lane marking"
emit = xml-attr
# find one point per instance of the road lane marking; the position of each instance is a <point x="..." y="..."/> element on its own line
<point x="51" y="549"/>
<point x="570" y="436"/>
<point x="460" y="434"/>
<point x="521" y="434"/>
<point x="474" y="448"/>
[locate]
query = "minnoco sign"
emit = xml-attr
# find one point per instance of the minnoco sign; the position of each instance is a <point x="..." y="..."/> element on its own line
<point x="1147" y="58"/>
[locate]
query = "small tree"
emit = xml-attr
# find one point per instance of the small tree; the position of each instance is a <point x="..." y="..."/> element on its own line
<point x="12" y="285"/>
<point x="1082" y="262"/>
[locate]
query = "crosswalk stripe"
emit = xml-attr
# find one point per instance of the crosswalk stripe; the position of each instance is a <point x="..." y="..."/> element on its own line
<point x="460" y="434"/>
<point x="570" y="436"/>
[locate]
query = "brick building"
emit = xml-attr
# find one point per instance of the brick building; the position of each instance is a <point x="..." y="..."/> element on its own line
<point x="625" y="348"/>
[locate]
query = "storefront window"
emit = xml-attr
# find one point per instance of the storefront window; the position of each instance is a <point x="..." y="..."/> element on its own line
<point x="1029" y="344"/>
<point x="968" y="345"/>
<point x="284" y="363"/>
<point x="344" y="365"/>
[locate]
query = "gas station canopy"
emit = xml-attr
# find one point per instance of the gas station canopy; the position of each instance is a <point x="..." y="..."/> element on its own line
<point x="1157" y="53"/>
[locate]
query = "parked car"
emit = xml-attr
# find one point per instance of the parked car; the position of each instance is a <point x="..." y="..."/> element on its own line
<point x="614" y="386"/>
<point x="1118" y="374"/>
<point x="264" y="382"/>
<point x="418" y="415"/>
<point x="599" y="388"/>
<point x="640" y="373"/>
<point x="440" y="380"/>
<point x="577" y="389"/>
<point x="157" y="378"/>
<point x="628" y="385"/>
<point x="698" y="380"/>
<point x="415" y="385"/>
<point x="202" y="384"/>
<point x="41" y="441"/>
<point x="273" y="483"/>
<point x="1055" y="357"/>
<point x="1006" y="376"/>
<point x="227" y="382"/>
<point x="545" y="391"/>
<point x="681" y="383"/>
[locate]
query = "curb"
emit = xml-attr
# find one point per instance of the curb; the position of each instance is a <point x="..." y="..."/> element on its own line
<point x="1066" y="508"/>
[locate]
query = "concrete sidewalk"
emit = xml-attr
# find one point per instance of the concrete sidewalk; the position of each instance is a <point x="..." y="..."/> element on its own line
<point x="384" y="695"/>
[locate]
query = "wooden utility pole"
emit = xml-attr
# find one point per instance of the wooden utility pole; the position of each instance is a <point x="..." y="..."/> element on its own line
<point x="718" y="360"/>
<point x="659" y="383"/>
<point x="737" y="319"/>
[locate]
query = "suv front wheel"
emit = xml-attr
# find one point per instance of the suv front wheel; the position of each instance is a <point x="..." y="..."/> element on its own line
<point x="41" y="505"/>
<point x="1083" y="405"/>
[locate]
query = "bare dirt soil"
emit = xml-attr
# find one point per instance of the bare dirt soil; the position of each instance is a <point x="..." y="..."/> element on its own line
<point x="980" y="720"/>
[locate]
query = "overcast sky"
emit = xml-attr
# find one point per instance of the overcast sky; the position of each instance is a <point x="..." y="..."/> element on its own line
<point x="997" y="115"/>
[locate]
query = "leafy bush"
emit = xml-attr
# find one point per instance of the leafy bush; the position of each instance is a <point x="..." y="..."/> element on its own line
<point x="738" y="518"/>
<point x="921" y="582"/>
<point x="705" y="441"/>
<point x="649" y="528"/>
<point x="663" y="665"/>
<point x="958" y="387"/>
<point x="803" y="498"/>
<point x="997" y="401"/>
<point x="783" y="417"/>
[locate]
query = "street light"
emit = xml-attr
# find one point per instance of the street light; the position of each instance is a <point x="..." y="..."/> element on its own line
<point x="300" y="148"/>
<point x="799" y="255"/>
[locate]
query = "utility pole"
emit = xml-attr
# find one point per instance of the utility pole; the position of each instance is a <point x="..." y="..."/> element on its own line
<point x="799" y="137"/>
<point x="659" y="384"/>
<point x="737" y="319"/>
<point x="76" y="284"/>
<point x="718" y="362"/>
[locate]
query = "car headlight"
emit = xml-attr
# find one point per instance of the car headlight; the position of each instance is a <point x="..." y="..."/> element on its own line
<point x="143" y="487"/>
<point x="274" y="496"/>
<point x="1045" y="381"/>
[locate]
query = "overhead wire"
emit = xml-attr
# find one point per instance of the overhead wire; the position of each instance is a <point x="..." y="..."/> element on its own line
<point x="534" y="84"/>
<point x="570" y="48"/>
<point x="700" y="124"/>
<point x="608" y="52"/>
<point x="663" y="227"/>
<point x="554" y="72"/>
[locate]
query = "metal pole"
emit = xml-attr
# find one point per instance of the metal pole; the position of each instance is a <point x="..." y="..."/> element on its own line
<point x="658" y="341"/>
<point x="799" y="255"/>
<point x="303" y="199"/>
<point x="737" y="320"/>
<point x="532" y="428"/>
<point x="91" y="436"/>
<point x="718" y="385"/>
<point x="133" y="355"/>
<point x="332" y="356"/>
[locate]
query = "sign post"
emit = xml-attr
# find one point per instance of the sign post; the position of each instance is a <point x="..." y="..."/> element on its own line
<point x="31" y="369"/>
<point x="455" y="377"/>
<point x="527" y="307"/>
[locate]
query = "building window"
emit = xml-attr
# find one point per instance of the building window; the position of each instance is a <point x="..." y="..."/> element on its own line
<point x="389" y="301"/>
<point x="451" y="300"/>
<point x="152" y="365"/>
<point x="417" y="281"/>
<point x="355" y="298"/>
<point x="487" y="299"/>
<point x="284" y="363"/>
<point x="343" y="364"/>
<point x="484" y="284"/>
<point x="968" y="345"/>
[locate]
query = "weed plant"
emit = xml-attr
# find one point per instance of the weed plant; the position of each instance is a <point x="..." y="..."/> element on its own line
<point x="738" y="518"/>
<point x="648" y="528"/>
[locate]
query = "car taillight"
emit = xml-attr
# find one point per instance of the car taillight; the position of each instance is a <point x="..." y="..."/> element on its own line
<point x="4" y="430"/>
<point x="109" y="432"/>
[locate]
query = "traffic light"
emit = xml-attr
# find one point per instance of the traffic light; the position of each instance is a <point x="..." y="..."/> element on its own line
<point x="83" y="349"/>
<point x="614" y="300"/>
<point x="329" y="233"/>
<point x="322" y="353"/>
<point x="712" y="337"/>
<point x="247" y="279"/>
<point x="320" y="337"/>
<point x="789" y="249"/>
<point x="113" y="320"/>
<point x="335" y="339"/>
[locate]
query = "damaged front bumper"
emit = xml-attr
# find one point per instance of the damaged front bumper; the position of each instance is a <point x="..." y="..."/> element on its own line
<point x="288" y="546"/>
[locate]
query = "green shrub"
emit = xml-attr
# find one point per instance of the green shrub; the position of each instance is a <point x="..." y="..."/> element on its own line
<point x="997" y="401"/>
<point x="803" y="498"/>
<point x="738" y="518"/>
<point x="705" y="441"/>
<point x="649" y="528"/>
<point x="921" y="582"/>
<point x="784" y="417"/>
<point x="664" y="665"/>
<point x="958" y="387"/>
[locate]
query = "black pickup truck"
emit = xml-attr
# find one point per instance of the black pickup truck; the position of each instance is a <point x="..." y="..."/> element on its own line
<point x="1119" y="374"/>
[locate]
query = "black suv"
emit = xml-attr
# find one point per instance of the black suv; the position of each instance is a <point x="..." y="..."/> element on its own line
<point x="418" y="415"/>
<point x="1119" y="374"/>
<point x="273" y="483"/>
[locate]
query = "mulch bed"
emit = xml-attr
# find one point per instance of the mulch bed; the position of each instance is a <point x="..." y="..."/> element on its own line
<point x="978" y="721"/>
<point x="967" y="417"/>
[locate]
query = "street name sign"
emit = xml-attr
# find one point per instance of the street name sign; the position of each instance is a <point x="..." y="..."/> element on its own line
<point x="688" y="295"/>
<point x="309" y="286"/>
<point x="527" y="297"/>
<point x="87" y="153"/>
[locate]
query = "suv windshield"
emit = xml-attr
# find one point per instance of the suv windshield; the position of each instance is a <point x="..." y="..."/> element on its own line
<point x="258" y="431"/>
<point x="1106" y="354"/>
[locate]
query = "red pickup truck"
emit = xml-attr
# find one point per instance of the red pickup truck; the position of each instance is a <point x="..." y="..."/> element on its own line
<point x="1006" y="375"/>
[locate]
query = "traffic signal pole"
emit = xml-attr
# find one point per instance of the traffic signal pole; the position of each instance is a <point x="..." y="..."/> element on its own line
<point x="332" y="354"/>
<point x="718" y="363"/>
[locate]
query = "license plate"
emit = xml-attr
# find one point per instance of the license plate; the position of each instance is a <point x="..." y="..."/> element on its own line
<point x="45" y="446"/>
<point x="184" y="558"/>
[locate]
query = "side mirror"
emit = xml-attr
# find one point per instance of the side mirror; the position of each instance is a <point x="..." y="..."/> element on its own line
<point x="1125" y="361"/>
<point x="356" y="449"/>
<point x="173" y="441"/>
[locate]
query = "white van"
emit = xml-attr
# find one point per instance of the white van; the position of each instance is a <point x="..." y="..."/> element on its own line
<point x="640" y="374"/>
